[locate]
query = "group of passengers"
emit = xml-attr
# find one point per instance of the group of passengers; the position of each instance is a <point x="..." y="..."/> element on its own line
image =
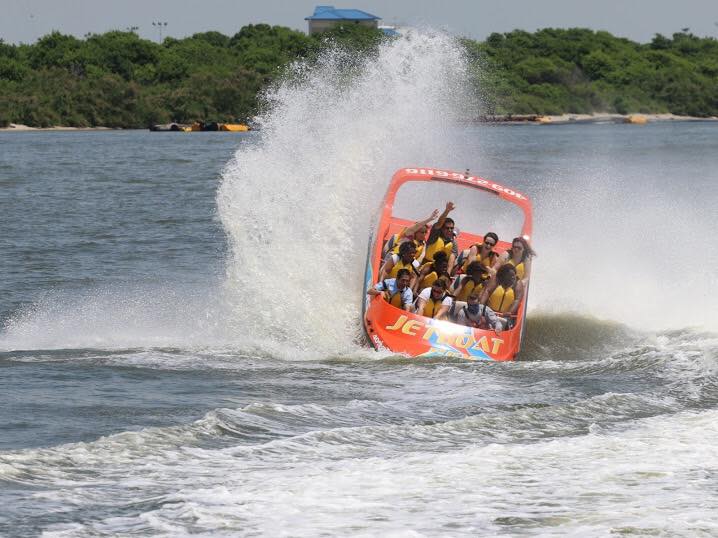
<point x="477" y="287"/>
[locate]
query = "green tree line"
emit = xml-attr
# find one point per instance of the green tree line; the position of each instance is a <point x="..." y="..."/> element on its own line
<point x="577" y="70"/>
<point x="117" y="79"/>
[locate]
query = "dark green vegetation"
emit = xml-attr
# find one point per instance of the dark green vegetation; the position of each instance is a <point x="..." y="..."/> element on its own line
<point x="582" y="71"/>
<point x="119" y="80"/>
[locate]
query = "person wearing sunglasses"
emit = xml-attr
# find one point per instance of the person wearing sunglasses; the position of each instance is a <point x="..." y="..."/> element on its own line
<point x="434" y="302"/>
<point x="519" y="256"/>
<point x="415" y="233"/>
<point x="396" y="291"/>
<point x="442" y="238"/>
<point x="473" y="314"/>
<point x="482" y="252"/>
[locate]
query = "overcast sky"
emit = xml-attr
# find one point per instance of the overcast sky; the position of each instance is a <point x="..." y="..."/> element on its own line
<point x="27" y="20"/>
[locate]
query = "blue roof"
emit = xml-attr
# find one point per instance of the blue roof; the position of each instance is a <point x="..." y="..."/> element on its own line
<point x="329" y="13"/>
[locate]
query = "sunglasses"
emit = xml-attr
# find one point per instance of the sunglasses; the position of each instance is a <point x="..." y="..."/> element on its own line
<point x="490" y="245"/>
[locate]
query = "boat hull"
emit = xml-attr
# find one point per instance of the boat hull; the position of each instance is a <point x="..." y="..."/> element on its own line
<point x="397" y="330"/>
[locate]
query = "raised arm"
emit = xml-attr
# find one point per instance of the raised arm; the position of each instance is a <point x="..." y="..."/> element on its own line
<point x="419" y="224"/>
<point x="449" y="207"/>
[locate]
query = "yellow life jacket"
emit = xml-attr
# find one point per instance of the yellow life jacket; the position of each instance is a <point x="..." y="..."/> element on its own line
<point x="401" y="265"/>
<point x="520" y="269"/>
<point x="395" y="298"/>
<point x="431" y="308"/>
<point x="432" y="277"/>
<point x="436" y="246"/>
<point x="501" y="299"/>
<point x="468" y="287"/>
<point x="428" y="280"/>
<point x="487" y="262"/>
<point x="395" y="242"/>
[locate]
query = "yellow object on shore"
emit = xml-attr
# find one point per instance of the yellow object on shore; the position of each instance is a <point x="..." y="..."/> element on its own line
<point x="636" y="119"/>
<point x="543" y="119"/>
<point x="235" y="127"/>
<point x="199" y="126"/>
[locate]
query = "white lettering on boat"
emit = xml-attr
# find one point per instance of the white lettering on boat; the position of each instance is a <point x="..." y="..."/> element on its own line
<point x="468" y="179"/>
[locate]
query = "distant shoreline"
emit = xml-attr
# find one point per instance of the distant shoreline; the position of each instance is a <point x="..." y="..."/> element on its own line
<point x="507" y="119"/>
<point x="18" y="127"/>
<point x="562" y="119"/>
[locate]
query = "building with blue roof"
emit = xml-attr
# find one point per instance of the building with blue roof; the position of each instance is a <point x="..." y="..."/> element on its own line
<point x="326" y="17"/>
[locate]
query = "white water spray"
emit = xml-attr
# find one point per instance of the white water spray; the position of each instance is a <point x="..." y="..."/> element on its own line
<point x="297" y="207"/>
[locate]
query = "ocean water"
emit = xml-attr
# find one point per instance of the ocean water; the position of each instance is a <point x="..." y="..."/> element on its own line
<point x="180" y="345"/>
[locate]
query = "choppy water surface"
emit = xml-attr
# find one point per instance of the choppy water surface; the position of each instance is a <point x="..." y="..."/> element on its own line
<point x="179" y="356"/>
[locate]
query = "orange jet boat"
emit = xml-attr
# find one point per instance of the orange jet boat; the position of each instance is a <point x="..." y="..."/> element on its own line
<point x="388" y="327"/>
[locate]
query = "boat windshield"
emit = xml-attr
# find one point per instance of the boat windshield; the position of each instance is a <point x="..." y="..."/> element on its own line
<point x="477" y="211"/>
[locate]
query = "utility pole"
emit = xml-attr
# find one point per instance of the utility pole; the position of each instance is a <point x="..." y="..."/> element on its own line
<point x="159" y="25"/>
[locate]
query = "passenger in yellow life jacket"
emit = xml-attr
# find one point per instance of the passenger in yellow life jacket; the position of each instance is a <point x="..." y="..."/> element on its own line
<point x="403" y="260"/>
<point x="473" y="314"/>
<point x="432" y="271"/>
<point x="472" y="282"/>
<point x="504" y="292"/>
<point x="396" y="291"/>
<point x="415" y="233"/>
<point x="482" y="252"/>
<point x="441" y="238"/>
<point x="520" y="257"/>
<point x="434" y="302"/>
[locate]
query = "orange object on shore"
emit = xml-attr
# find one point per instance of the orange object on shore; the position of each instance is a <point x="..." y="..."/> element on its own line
<point x="400" y="331"/>
<point x="234" y="127"/>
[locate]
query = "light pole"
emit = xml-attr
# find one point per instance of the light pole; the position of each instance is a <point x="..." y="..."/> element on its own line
<point x="159" y="25"/>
